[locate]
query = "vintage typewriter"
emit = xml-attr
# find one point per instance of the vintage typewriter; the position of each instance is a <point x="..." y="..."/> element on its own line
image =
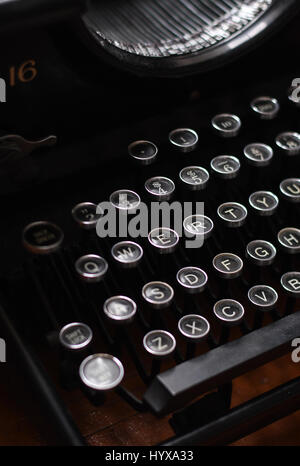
<point x="130" y="103"/>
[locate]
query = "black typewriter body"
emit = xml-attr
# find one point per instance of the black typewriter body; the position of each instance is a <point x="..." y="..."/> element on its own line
<point x="93" y="104"/>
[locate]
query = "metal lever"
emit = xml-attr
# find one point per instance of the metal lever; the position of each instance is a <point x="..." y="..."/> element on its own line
<point x="13" y="146"/>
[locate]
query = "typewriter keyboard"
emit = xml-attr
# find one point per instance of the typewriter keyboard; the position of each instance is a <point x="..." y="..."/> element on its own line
<point x="182" y="320"/>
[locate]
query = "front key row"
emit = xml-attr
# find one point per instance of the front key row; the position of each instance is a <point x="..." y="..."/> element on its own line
<point x="102" y="372"/>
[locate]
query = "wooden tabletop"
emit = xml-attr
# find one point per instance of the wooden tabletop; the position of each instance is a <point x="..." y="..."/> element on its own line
<point x="117" y="424"/>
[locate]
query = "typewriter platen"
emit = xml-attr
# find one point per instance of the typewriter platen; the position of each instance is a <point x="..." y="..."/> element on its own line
<point x="148" y="320"/>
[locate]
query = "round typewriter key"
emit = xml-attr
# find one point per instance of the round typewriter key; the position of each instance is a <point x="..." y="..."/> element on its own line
<point x="225" y="166"/>
<point x="228" y="265"/>
<point x="42" y="237"/>
<point x="158" y="295"/>
<point x="226" y="125"/>
<point x="165" y="240"/>
<point x="290" y="189"/>
<point x="263" y="297"/>
<point x="258" y="154"/>
<point x="233" y="213"/>
<point x="192" y="279"/>
<point x="75" y="336"/>
<point x="127" y="253"/>
<point x="264" y="203"/>
<point x="160" y="187"/>
<point x="290" y="281"/>
<point x="86" y="215"/>
<point x="266" y="108"/>
<point x="289" y="238"/>
<point x="261" y="252"/>
<point x="159" y="343"/>
<point x="289" y="142"/>
<point x="184" y="139"/>
<point x="229" y="311"/>
<point x="144" y="152"/>
<point x="198" y="225"/>
<point x="194" y="327"/>
<point x="194" y="178"/>
<point x="101" y="371"/>
<point x="91" y="268"/>
<point x="120" y="309"/>
<point x="125" y="200"/>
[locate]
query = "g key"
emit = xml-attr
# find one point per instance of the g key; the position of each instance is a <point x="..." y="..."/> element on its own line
<point x="261" y="252"/>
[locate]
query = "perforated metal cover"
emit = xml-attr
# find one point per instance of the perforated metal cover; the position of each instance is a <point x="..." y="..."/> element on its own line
<point x="179" y="32"/>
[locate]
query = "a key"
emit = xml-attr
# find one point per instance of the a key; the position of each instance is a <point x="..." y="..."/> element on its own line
<point x="233" y="214"/>
<point x="226" y="125"/>
<point x="195" y="329"/>
<point x="261" y="255"/>
<point x="160" y="344"/>
<point x="199" y="226"/>
<point x="290" y="189"/>
<point x="178" y="386"/>
<point x="75" y="340"/>
<point x="99" y="373"/>
<point x="225" y="170"/>
<point x="193" y="281"/>
<point x="290" y="282"/>
<point x="143" y="152"/>
<point x="289" y="239"/>
<point x="157" y="294"/>
<point x="86" y="215"/>
<point x="125" y="200"/>
<point x="183" y="139"/>
<point x="198" y="230"/>
<point x="258" y="154"/>
<point x="45" y="240"/>
<point x="194" y="178"/>
<point x="263" y="298"/>
<point x="261" y="252"/>
<point x="289" y="143"/>
<point x="42" y="237"/>
<point x="229" y="313"/>
<point x="160" y="188"/>
<point x="266" y="108"/>
<point x="264" y="203"/>
<point x="75" y="336"/>
<point x="127" y="254"/>
<point x="120" y="309"/>
<point x="226" y="167"/>
<point x="91" y="268"/>
<point x="165" y="240"/>
<point x="228" y="267"/>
